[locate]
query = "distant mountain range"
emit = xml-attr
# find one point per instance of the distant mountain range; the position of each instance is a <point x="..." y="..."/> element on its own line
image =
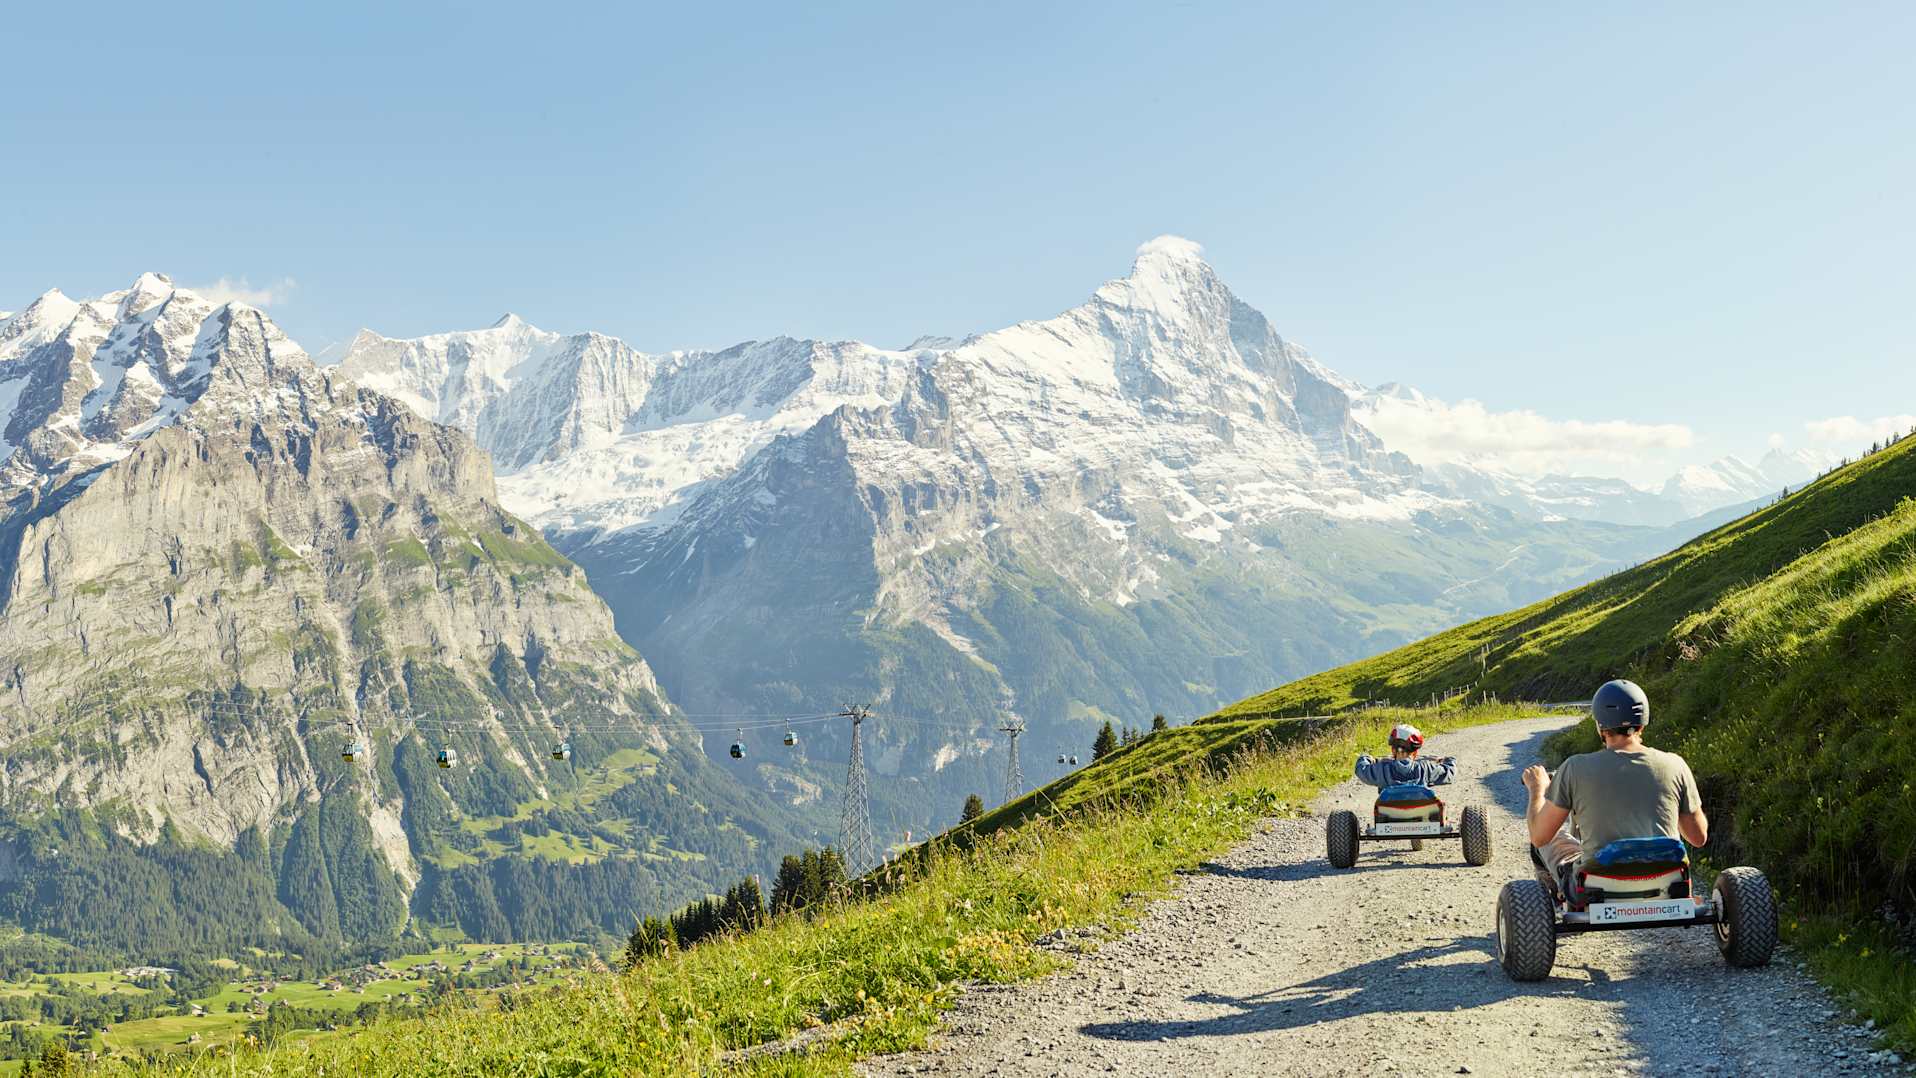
<point x="1693" y="491"/>
<point x="1151" y="502"/>
<point x="222" y="565"/>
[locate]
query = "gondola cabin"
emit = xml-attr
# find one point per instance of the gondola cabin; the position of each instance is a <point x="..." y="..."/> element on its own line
<point x="738" y="750"/>
<point x="562" y="751"/>
<point x="353" y="751"/>
<point x="448" y="758"/>
<point x="791" y="739"/>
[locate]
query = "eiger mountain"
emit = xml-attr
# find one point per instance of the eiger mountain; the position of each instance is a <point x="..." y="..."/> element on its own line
<point x="221" y="565"/>
<point x="1151" y="502"/>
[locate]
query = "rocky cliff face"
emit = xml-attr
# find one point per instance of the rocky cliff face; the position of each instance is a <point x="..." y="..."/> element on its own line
<point x="1151" y="502"/>
<point x="222" y="564"/>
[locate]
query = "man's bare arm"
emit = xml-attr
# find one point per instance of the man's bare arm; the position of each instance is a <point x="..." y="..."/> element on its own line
<point x="1695" y="827"/>
<point x="1546" y="817"/>
<point x="1545" y="822"/>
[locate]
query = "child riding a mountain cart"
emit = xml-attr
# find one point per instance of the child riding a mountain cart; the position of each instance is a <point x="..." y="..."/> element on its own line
<point x="1635" y="807"/>
<point x="1406" y="806"/>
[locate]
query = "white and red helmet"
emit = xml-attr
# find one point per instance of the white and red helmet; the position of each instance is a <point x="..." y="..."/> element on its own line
<point x="1405" y="736"/>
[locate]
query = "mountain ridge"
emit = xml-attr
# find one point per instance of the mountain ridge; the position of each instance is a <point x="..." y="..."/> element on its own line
<point x="1148" y="502"/>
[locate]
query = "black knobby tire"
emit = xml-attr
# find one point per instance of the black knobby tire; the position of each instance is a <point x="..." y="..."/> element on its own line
<point x="1416" y="844"/>
<point x="1745" y="917"/>
<point x="1340" y="839"/>
<point x="1476" y="833"/>
<point x="1526" y="930"/>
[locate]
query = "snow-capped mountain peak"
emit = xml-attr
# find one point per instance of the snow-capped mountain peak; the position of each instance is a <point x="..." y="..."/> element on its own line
<point x="1732" y="480"/>
<point x="150" y="290"/>
<point x="1153" y="363"/>
<point x="1168" y="278"/>
<point x="83" y="381"/>
<point x="584" y="428"/>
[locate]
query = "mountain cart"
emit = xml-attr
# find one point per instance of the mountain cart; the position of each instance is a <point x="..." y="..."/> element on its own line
<point x="1629" y="884"/>
<point x="1405" y="812"/>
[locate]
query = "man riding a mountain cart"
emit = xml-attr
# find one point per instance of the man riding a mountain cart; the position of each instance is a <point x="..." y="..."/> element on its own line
<point x="1406" y="807"/>
<point x="1607" y="838"/>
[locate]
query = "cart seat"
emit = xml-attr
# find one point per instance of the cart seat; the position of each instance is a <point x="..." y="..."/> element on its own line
<point x="1408" y="802"/>
<point x="1635" y="868"/>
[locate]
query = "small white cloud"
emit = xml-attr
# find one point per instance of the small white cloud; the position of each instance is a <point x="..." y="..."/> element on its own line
<point x="1431" y="432"/>
<point x="1776" y="441"/>
<point x="1171" y="246"/>
<point x="1857" y="433"/>
<point x="240" y="290"/>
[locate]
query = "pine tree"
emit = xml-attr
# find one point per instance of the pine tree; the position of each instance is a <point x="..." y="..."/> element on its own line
<point x="788" y="887"/>
<point x="831" y="874"/>
<point x="811" y="879"/>
<point x="974" y="808"/>
<point x="697" y="921"/>
<point x="650" y="938"/>
<point x="744" y="907"/>
<point x="1106" y="744"/>
<point x="1159" y="722"/>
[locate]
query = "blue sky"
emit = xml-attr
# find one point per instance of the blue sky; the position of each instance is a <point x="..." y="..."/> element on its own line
<point x="1701" y="217"/>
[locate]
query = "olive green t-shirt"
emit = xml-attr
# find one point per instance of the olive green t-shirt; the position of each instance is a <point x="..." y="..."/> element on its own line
<point x="1613" y="795"/>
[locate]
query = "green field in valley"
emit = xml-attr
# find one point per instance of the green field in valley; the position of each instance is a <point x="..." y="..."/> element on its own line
<point x="228" y="1014"/>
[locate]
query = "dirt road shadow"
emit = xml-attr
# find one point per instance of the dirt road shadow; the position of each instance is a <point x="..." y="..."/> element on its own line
<point x="1306" y="870"/>
<point x="1503" y="780"/>
<point x="1403" y="984"/>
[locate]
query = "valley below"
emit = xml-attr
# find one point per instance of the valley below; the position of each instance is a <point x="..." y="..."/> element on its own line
<point x="207" y="1004"/>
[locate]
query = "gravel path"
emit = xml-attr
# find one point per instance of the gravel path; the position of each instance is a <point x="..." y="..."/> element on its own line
<point x="1269" y="961"/>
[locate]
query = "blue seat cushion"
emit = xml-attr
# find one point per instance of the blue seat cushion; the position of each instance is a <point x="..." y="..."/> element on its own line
<point x="1642" y="853"/>
<point x="1406" y="793"/>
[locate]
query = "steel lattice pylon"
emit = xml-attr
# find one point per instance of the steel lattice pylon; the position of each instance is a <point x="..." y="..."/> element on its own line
<point x="858" y="846"/>
<point x="1014" y="775"/>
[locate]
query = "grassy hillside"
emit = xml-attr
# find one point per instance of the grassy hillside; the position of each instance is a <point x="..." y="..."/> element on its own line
<point x="1777" y="652"/>
<point x="1637" y="621"/>
<point x="872" y="975"/>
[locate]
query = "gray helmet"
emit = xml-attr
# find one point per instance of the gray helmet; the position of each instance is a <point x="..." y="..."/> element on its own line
<point x="1620" y="705"/>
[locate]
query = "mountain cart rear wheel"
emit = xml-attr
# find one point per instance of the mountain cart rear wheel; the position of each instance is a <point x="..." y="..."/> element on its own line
<point x="1526" y="930"/>
<point x="1340" y="838"/>
<point x="1745" y="917"/>
<point x="1475" y="829"/>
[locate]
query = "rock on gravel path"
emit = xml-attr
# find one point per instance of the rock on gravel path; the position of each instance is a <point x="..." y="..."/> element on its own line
<point x="1269" y="961"/>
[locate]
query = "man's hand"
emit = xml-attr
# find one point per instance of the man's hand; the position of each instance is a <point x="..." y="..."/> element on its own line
<point x="1536" y="779"/>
